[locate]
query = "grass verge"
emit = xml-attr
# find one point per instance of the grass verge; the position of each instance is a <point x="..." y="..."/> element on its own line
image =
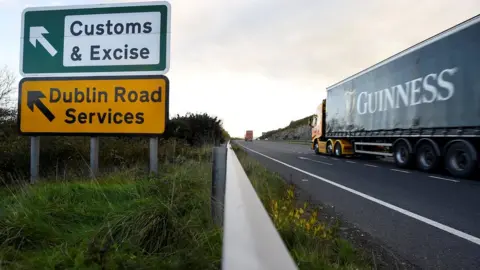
<point x="125" y="220"/>
<point x="312" y="243"/>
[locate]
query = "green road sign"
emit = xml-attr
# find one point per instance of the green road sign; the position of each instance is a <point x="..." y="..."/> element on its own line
<point x="96" y="40"/>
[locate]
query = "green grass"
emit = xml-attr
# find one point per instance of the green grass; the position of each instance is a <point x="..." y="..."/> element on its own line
<point x="125" y="220"/>
<point x="312" y="243"/>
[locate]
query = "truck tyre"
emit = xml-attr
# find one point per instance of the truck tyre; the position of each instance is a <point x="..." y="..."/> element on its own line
<point x="427" y="158"/>
<point x="402" y="155"/>
<point x="460" y="160"/>
<point x="316" y="148"/>
<point x="329" y="148"/>
<point x="338" y="150"/>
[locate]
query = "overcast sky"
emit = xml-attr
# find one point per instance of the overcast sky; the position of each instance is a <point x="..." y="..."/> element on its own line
<point x="257" y="64"/>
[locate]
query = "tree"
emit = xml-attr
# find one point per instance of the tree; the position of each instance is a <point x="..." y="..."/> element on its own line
<point x="7" y="114"/>
<point x="7" y="80"/>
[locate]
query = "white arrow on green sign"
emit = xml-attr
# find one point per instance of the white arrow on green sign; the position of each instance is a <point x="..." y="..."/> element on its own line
<point x="36" y="35"/>
<point x="96" y="40"/>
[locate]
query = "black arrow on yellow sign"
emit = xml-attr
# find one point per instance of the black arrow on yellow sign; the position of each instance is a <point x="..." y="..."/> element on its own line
<point x="33" y="98"/>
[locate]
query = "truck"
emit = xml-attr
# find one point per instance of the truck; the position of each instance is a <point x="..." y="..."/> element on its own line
<point x="420" y="107"/>
<point x="249" y="135"/>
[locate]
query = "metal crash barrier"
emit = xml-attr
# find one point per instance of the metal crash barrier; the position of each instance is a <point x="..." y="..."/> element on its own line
<point x="250" y="239"/>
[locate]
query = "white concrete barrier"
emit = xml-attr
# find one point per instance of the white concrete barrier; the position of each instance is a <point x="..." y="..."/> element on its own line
<point x="250" y="239"/>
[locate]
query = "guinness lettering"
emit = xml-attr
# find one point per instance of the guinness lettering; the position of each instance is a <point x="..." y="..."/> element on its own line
<point x="433" y="87"/>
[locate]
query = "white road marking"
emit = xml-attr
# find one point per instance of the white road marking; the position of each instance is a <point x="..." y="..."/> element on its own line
<point x="425" y="220"/>
<point x="318" y="161"/>
<point x="304" y="180"/>
<point x="349" y="161"/>
<point x="334" y="158"/>
<point x="370" y="165"/>
<point x="446" y="179"/>
<point x="399" y="170"/>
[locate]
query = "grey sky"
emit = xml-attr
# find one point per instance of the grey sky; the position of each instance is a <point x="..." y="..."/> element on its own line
<point x="258" y="64"/>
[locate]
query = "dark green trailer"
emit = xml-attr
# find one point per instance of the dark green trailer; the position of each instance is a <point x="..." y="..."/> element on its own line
<point x="421" y="106"/>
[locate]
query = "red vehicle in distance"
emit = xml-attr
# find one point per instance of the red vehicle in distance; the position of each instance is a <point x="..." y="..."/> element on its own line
<point x="249" y="135"/>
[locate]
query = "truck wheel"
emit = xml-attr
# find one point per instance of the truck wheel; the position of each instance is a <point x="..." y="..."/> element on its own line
<point x="316" y="148"/>
<point x="338" y="150"/>
<point x="401" y="155"/>
<point x="329" y="149"/>
<point x="460" y="159"/>
<point x="427" y="159"/>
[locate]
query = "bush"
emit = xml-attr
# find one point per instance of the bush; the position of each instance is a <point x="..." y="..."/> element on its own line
<point x="197" y="129"/>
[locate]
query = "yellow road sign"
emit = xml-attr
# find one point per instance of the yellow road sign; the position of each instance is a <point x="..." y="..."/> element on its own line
<point x="93" y="106"/>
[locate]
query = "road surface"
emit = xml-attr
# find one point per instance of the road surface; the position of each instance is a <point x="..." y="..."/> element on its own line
<point x="431" y="220"/>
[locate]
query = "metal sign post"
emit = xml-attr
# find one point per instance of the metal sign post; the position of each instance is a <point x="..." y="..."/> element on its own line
<point x="154" y="155"/>
<point x="34" y="159"/>
<point x="94" y="149"/>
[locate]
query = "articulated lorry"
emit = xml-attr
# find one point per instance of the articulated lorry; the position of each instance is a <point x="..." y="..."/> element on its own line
<point x="420" y="106"/>
<point x="249" y="135"/>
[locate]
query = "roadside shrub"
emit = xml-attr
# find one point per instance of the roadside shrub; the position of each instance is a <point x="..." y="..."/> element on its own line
<point x="197" y="129"/>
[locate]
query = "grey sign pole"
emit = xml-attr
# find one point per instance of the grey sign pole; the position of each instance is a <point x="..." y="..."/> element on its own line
<point x="154" y="155"/>
<point x="34" y="158"/>
<point x="94" y="145"/>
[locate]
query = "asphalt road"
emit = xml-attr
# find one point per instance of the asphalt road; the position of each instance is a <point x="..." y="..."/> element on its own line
<point x="431" y="220"/>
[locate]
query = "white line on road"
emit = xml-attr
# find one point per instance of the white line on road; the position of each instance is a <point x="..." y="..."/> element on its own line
<point x="318" y="161"/>
<point x="334" y="158"/>
<point x="428" y="221"/>
<point x="349" y="161"/>
<point x="446" y="179"/>
<point x="304" y="180"/>
<point x="399" y="170"/>
<point x="370" y="165"/>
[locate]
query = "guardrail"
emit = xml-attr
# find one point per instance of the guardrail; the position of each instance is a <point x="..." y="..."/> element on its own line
<point x="250" y="239"/>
